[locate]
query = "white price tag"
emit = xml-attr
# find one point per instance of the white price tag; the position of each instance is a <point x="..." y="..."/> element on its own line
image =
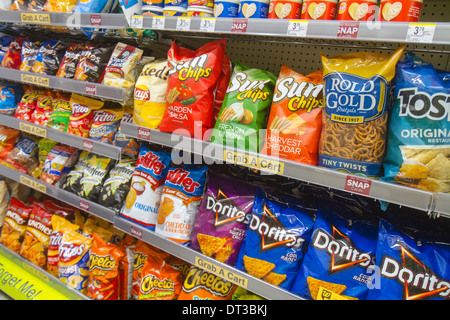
<point x="158" y="22"/>
<point x="420" y="32"/>
<point x="136" y="22"/>
<point x="297" y="28"/>
<point x="208" y="24"/>
<point x="183" y="23"/>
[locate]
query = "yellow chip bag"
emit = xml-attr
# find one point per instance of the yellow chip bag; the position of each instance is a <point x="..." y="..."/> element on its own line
<point x="150" y="94"/>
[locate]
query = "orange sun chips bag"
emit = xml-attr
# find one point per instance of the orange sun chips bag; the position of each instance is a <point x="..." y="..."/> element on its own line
<point x="295" y="120"/>
<point x="104" y="260"/>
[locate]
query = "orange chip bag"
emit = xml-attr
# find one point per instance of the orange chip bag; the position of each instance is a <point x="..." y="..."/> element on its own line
<point x="203" y="285"/>
<point x="159" y="280"/>
<point x="8" y="138"/>
<point x="295" y="119"/>
<point x="15" y="224"/>
<point x="80" y="120"/>
<point x="104" y="263"/>
<point x="37" y="236"/>
<point x="127" y="245"/>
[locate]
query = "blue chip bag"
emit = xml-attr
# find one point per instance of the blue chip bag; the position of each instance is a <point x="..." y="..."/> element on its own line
<point x="5" y="41"/>
<point x="418" y="144"/>
<point x="341" y="250"/>
<point x="276" y="237"/>
<point x="410" y="268"/>
<point x="10" y="95"/>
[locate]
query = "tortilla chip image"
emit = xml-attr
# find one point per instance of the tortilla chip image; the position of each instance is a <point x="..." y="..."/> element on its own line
<point x="413" y="171"/>
<point x="209" y="244"/>
<point x="314" y="285"/>
<point x="223" y="253"/>
<point x="439" y="167"/>
<point x="257" y="267"/>
<point x="275" y="278"/>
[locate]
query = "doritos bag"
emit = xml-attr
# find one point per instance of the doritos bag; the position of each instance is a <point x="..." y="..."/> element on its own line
<point x="69" y="61"/>
<point x="10" y="96"/>
<point x="418" y="148"/>
<point x="49" y="57"/>
<point x="104" y="261"/>
<point x="203" y="285"/>
<point x="245" y="108"/>
<point x="143" y="200"/>
<point x="15" y="224"/>
<point x="276" y="237"/>
<point x="92" y="62"/>
<point x="341" y="250"/>
<point x="222" y="218"/>
<point x="150" y="94"/>
<point x="193" y="78"/>
<point x="410" y="268"/>
<point x="105" y="123"/>
<point x="29" y="53"/>
<point x="356" y="96"/>
<point x="130" y="146"/>
<point x="82" y="114"/>
<point x="180" y="200"/>
<point x="295" y="119"/>
<point x="159" y="280"/>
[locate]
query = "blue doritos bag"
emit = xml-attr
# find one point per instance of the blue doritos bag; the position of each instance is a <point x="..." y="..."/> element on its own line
<point x="276" y="237"/>
<point x="341" y="250"/>
<point x="418" y="145"/>
<point x="10" y="95"/>
<point x="407" y="270"/>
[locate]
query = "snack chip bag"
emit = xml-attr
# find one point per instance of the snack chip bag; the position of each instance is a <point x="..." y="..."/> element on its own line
<point x="60" y="5"/>
<point x="130" y="146"/>
<point x="59" y="225"/>
<point x="276" y="237"/>
<point x="13" y="56"/>
<point x="10" y="96"/>
<point x="222" y="86"/>
<point x="82" y="114"/>
<point x="69" y="61"/>
<point x="44" y="147"/>
<point x="71" y="181"/>
<point x="43" y="109"/>
<point x="73" y="266"/>
<point x="19" y="5"/>
<point x="203" y="285"/>
<point x="150" y="94"/>
<point x="29" y="53"/>
<point x="92" y="62"/>
<point x="356" y="96"/>
<point x="23" y="157"/>
<point x="410" y="268"/>
<point x="340" y="253"/>
<point x="36" y="5"/>
<point x="105" y="123"/>
<point x="104" y="261"/>
<point x="49" y="57"/>
<point x="418" y="148"/>
<point x="5" y="41"/>
<point x="27" y="104"/>
<point x="60" y="116"/>
<point x="117" y="185"/>
<point x="15" y="224"/>
<point x="180" y="265"/>
<point x="37" y="236"/>
<point x="119" y="70"/>
<point x="159" y="280"/>
<point x="143" y="200"/>
<point x="193" y="78"/>
<point x="295" y="119"/>
<point x="127" y="245"/>
<point x="245" y="108"/>
<point x="222" y="218"/>
<point x="8" y="139"/>
<point x="60" y="160"/>
<point x="180" y="200"/>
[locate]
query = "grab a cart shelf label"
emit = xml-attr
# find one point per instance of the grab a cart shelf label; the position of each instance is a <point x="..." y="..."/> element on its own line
<point x="33" y="184"/>
<point x="28" y="128"/>
<point x="40" y="18"/>
<point x="254" y="161"/>
<point x="36" y="80"/>
<point x="221" y="272"/>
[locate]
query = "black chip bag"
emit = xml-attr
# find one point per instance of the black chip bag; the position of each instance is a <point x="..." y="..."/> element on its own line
<point x="93" y="60"/>
<point x="105" y="124"/>
<point x="130" y="147"/>
<point x="49" y="57"/>
<point x="29" y="53"/>
<point x="70" y="60"/>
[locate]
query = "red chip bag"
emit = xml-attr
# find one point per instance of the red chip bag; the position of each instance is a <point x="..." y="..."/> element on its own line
<point x="82" y="114"/>
<point x="13" y="56"/>
<point x="193" y="79"/>
<point x="27" y="104"/>
<point x="8" y="138"/>
<point x="44" y="107"/>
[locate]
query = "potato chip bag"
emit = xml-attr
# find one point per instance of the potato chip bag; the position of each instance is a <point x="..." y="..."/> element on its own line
<point x="222" y="86"/>
<point x="49" y="57"/>
<point x="92" y="62"/>
<point x="159" y="280"/>
<point x="69" y="61"/>
<point x="29" y="53"/>
<point x="60" y="116"/>
<point x="222" y="218"/>
<point x="203" y="285"/>
<point x="60" y="160"/>
<point x="418" y="145"/>
<point x="295" y="119"/>
<point x="104" y="261"/>
<point x="37" y="236"/>
<point x="27" y="104"/>
<point x="23" y="157"/>
<point x="180" y="200"/>
<point x="10" y="95"/>
<point x="73" y="266"/>
<point x="8" y="138"/>
<point x="15" y="224"/>
<point x="341" y="250"/>
<point x="127" y="245"/>
<point x="82" y="114"/>
<point x="356" y="96"/>
<point x="105" y="123"/>
<point x="44" y="108"/>
<point x="193" y="79"/>
<point x="150" y="94"/>
<point x="276" y="237"/>
<point x="44" y="146"/>
<point x="245" y="108"/>
<point x="143" y="200"/>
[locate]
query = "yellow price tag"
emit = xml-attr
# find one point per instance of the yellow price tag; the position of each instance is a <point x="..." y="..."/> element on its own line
<point x="39" y="18"/>
<point x="221" y="272"/>
<point x="28" y="128"/>
<point x="36" y="80"/>
<point x="33" y="184"/>
<point x="267" y="165"/>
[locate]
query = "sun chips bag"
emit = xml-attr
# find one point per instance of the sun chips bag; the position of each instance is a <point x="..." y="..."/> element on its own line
<point x="193" y="79"/>
<point x="276" y="237"/>
<point x="340" y="253"/>
<point x="295" y="120"/>
<point x="245" y="108"/>
<point x="418" y="147"/>
<point x="356" y="96"/>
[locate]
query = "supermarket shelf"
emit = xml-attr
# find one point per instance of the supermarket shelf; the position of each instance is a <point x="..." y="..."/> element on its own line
<point x="100" y="148"/>
<point x="390" y="192"/>
<point x="189" y="255"/>
<point x="442" y="205"/>
<point x="57" y="193"/>
<point x="47" y="282"/>
<point x="94" y="90"/>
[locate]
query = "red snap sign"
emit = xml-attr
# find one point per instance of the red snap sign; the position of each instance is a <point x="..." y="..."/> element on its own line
<point x="358" y="185"/>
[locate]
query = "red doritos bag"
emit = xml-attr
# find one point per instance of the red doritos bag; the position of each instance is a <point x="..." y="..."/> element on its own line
<point x="193" y="79"/>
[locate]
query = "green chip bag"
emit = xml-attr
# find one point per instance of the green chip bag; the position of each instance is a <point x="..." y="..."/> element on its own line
<point x="245" y="108"/>
<point x="60" y="116"/>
